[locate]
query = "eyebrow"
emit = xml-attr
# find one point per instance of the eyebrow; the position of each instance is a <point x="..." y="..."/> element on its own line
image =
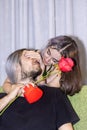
<point x="55" y="60"/>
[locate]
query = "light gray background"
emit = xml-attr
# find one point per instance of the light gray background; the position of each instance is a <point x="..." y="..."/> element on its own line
<point x="30" y="23"/>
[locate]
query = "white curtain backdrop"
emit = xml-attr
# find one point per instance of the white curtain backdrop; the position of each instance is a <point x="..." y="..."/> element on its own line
<point x="30" y="23"/>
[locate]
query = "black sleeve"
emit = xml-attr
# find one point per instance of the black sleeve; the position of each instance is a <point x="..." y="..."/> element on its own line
<point x="2" y="95"/>
<point x="64" y="110"/>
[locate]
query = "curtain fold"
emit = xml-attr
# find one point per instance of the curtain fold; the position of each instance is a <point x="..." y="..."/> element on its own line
<point x="30" y="23"/>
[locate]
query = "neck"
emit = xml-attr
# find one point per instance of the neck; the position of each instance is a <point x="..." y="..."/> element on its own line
<point x="26" y="81"/>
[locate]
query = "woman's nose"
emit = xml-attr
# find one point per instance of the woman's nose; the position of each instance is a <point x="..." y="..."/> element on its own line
<point x="48" y="59"/>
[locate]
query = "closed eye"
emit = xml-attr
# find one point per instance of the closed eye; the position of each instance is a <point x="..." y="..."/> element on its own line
<point x="54" y="60"/>
<point x="48" y="52"/>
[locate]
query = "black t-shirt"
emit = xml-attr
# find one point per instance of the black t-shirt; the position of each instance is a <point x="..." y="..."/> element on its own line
<point x="49" y="113"/>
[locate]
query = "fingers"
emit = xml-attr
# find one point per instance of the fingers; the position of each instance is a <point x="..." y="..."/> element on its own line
<point x="32" y="54"/>
<point x="18" y="89"/>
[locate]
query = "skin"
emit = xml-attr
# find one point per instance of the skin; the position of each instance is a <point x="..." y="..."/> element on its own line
<point x="32" y="62"/>
<point x="67" y="126"/>
<point x="5" y="100"/>
<point x="35" y="55"/>
<point x="51" y="56"/>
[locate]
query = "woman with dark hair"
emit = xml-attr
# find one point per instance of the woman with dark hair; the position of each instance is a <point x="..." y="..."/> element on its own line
<point x="64" y="46"/>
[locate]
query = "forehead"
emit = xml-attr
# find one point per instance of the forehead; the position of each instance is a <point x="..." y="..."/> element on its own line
<point x="54" y="53"/>
<point x="30" y="54"/>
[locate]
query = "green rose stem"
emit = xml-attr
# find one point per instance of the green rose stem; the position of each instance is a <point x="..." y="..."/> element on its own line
<point x="8" y="105"/>
<point x="42" y="78"/>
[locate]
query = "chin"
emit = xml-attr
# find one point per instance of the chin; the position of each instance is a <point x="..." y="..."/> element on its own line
<point x="39" y="71"/>
<point x="35" y="74"/>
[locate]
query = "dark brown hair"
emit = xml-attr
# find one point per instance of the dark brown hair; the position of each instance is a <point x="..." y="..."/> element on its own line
<point x="70" y="82"/>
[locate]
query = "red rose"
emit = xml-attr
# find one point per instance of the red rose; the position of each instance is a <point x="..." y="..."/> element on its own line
<point x="65" y="64"/>
<point x="32" y="93"/>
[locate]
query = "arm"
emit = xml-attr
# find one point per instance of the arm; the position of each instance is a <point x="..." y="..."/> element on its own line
<point x="54" y="78"/>
<point x="8" y="86"/>
<point x="5" y="100"/>
<point x="67" y="126"/>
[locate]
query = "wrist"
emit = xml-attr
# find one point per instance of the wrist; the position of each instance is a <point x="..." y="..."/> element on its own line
<point x="10" y="96"/>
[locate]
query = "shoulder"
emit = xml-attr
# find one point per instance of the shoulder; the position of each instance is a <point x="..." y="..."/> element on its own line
<point x="53" y="91"/>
